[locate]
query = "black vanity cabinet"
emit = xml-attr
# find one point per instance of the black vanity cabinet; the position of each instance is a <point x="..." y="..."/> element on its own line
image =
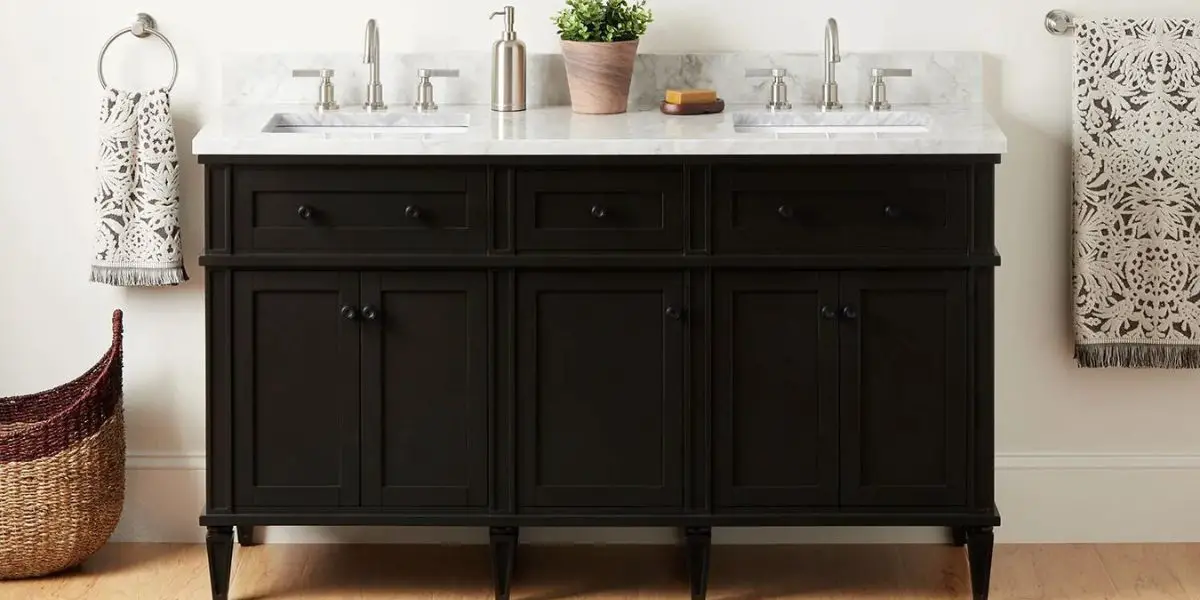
<point x="600" y="341"/>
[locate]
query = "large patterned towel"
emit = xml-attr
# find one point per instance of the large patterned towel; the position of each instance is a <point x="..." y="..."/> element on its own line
<point x="1137" y="193"/>
<point x="137" y="236"/>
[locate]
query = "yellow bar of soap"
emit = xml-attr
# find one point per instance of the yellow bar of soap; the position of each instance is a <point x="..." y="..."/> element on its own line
<point x="691" y="96"/>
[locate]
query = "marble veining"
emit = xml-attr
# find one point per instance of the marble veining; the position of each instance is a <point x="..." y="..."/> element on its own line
<point x="938" y="77"/>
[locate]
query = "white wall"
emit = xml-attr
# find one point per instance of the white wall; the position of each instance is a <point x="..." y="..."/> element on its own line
<point x="1084" y="455"/>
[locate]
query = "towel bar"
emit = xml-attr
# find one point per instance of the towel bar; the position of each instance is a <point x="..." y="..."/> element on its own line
<point x="1060" y="22"/>
<point x="143" y="26"/>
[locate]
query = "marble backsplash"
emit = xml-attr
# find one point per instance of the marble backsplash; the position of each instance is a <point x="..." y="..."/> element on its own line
<point x="938" y="77"/>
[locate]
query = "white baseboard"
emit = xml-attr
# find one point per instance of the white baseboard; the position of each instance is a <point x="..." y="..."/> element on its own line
<point x="1043" y="497"/>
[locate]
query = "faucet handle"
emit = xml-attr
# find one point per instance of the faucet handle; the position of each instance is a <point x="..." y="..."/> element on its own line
<point x="777" y="73"/>
<point x="881" y="73"/>
<point x="423" y="73"/>
<point x="879" y="99"/>
<point x="328" y="100"/>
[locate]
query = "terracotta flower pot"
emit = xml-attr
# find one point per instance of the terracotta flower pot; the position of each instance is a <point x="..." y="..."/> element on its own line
<point x="599" y="74"/>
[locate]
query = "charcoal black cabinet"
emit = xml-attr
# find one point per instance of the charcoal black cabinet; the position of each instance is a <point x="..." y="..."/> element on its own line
<point x="424" y="389"/>
<point x="775" y="388"/>
<point x="904" y="387"/>
<point x="295" y="393"/>
<point x="687" y="342"/>
<point x="600" y="390"/>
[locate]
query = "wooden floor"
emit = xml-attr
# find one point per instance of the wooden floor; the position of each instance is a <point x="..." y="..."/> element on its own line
<point x="160" y="572"/>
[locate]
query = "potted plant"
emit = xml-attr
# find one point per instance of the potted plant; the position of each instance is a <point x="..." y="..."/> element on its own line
<point x="599" y="43"/>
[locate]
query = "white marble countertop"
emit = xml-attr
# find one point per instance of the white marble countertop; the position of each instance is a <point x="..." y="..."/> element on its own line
<point x="947" y="129"/>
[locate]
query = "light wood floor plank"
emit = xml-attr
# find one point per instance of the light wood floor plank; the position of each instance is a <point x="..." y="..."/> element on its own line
<point x="1072" y="571"/>
<point x="1141" y="571"/>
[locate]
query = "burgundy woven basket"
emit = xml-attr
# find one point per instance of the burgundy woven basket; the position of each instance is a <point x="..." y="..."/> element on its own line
<point x="62" y="469"/>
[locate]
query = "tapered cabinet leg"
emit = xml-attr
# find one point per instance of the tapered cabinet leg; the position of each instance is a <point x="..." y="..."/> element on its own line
<point x="504" y="554"/>
<point x="979" y="554"/>
<point x="699" y="544"/>
<point x="959" y="535"/>
<point x="220" y="560"/>
<point x="245" y="535"/>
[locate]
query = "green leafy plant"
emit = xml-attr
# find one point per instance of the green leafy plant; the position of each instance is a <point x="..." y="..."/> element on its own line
<point x="603" y="20"/>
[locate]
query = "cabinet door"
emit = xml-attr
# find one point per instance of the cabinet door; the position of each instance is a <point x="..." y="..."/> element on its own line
<point x="775" y="380"/>
<point x="424" y="389"/>
<point x="295" y="386"/>
<point x="600" y="386"/>
<point x="904" y="370"/>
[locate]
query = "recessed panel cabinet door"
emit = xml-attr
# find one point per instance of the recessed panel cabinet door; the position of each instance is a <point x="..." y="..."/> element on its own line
<point x="904" y="388"/>
<point x="600" y="390"/>
<point x="424" y="389"/>
<point x="775" y="398"/>
<point x="295" y="389"/>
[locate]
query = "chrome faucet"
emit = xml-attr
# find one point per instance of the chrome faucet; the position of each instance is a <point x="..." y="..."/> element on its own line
<point x="833" y="55"/>
<point x="371" y="57"/>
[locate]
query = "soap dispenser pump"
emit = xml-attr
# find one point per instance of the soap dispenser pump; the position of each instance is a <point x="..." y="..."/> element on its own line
<point x="508" y="67"/>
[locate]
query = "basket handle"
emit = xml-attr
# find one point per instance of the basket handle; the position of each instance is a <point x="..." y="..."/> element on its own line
<point x="117" y="325"/>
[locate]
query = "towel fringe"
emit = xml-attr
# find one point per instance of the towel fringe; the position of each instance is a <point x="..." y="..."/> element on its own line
<point x="1138" y="356"/>
<point x="139" y="276"/>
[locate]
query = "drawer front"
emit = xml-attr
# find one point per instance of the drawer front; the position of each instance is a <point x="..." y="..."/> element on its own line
<point x="841" y="208"/>
<point x="360" y="210"/>
<point x="599" y="209"/>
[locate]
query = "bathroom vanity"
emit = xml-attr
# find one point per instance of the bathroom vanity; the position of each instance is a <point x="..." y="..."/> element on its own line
<point x="554" y="320"/>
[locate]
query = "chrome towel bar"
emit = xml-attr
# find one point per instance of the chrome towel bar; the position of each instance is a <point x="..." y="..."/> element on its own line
<point x="144" y="26"/>
<point x="1060" y="22"/>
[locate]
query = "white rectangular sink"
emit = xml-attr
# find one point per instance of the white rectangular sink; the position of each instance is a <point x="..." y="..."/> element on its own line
<point x="361" y="124"/>
<point x="831" y="122"/>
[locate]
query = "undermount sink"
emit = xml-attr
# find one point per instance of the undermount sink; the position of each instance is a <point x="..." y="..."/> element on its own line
<point x="831" y="122"/>
<point x="337" y="124"/>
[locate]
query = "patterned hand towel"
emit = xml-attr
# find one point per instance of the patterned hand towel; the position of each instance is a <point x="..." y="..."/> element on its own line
<point x="137" y="237"/>
<point x="1137" y="193"/>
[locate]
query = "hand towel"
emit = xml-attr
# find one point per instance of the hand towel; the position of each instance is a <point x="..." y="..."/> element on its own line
<point x="137" y="236"/>
<point x="1137" y="193"/>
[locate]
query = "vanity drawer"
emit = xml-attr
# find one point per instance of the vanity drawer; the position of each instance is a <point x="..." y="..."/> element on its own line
<point x="831" y="209"/>
<point x="370" y="209"/>
<point x="600" y="209"/>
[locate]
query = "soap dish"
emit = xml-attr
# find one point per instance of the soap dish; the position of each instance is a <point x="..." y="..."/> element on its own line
<point x="707" y="108"/>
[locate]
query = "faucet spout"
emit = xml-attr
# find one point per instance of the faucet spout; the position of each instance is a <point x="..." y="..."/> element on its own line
<point x="371" y="57"/>
<point x="833" y="55"/>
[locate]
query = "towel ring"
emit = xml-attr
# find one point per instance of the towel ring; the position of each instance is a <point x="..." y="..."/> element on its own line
<point x="144" y="26"/>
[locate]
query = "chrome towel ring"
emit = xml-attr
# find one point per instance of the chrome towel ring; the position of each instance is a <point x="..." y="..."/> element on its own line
<point x="144" y="26"/>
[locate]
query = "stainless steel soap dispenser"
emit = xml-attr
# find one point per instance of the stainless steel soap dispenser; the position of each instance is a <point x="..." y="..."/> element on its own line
<point x="508" y="67"/>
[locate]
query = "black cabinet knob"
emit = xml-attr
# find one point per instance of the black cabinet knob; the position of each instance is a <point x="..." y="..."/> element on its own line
<point x="599" y="212"/>
<point x="368" y="312"/>
<point x="412" y="212"/>
<point x="849" y="312"/>
<point x="786" y="211"/>
<point x="674" y="313"/>
<point x="828" y="312"/>
<point x="304" y="212"/>
<point x="348" y="312"/>
<point x="892" y="212"/>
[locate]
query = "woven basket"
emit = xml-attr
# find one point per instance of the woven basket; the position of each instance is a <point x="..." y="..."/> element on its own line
<point x="62" y="470"/>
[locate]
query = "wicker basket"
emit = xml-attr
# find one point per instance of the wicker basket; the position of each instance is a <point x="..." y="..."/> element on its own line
<point x="62" y="470"/>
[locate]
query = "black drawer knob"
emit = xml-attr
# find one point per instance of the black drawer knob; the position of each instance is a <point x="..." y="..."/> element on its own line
<point x="674" y="313"/>
<point x="786" y="211"/>
<point x="828" y="312"/>
<point x="412" y="212"/>
<point x="892" y="212"/>
<point x="849" y="312"/>
<point x="304" y="212"/>
<point x="369" y="313"/>
<point x="599" y="212"/>
<point x="348" y="312"/>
